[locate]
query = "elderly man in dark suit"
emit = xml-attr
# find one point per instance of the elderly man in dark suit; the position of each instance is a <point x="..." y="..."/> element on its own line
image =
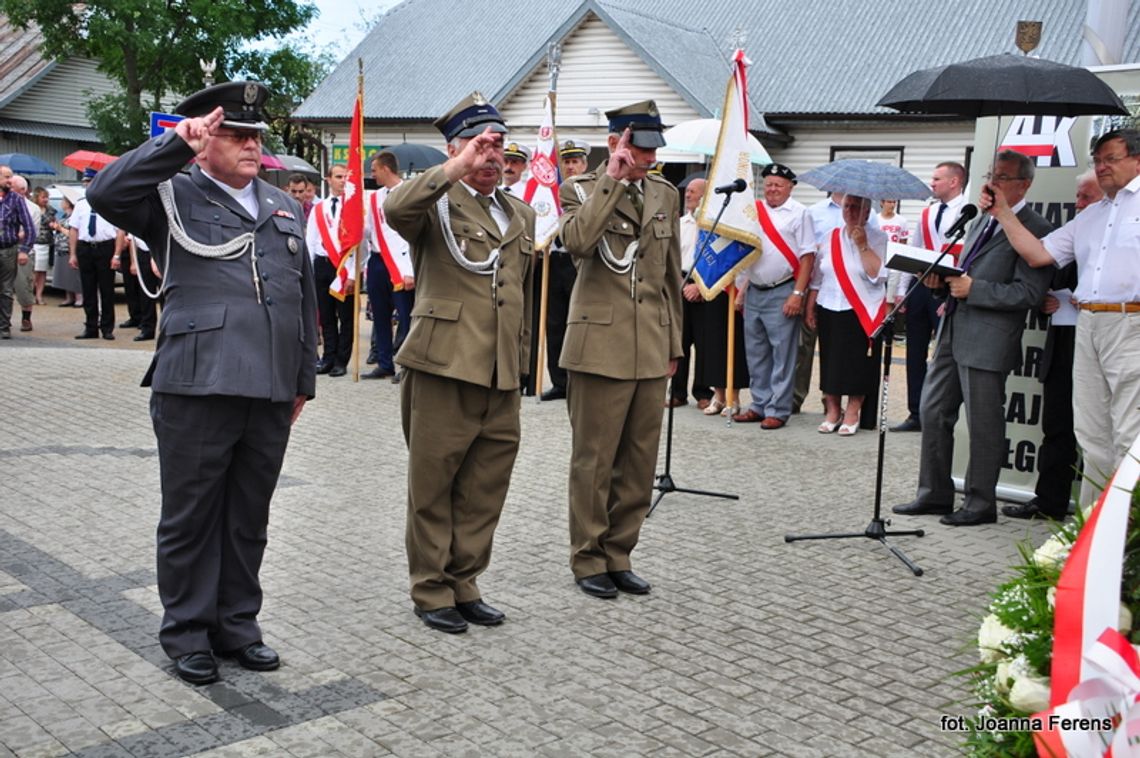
<point x="979" y="344"/>
<point x="234" y="364"/>
<point x="473" y="252"/>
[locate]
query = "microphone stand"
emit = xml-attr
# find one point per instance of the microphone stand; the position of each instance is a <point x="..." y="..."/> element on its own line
<point x="877" y="529"/>
<point x="665" y="483"/>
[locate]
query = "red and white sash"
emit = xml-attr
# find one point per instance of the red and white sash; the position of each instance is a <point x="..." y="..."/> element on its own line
<point x="335" y="254"/>
<point x="777" y="239"/>
<point x="865" y="298"/>
<point x="930" y="233"/>
<point x="395" y="273"/>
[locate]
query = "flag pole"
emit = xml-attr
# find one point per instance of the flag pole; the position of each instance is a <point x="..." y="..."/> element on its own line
<point x="362" y="245"/>
<point x="553" y="62"/>
<point x="729" y="374"/>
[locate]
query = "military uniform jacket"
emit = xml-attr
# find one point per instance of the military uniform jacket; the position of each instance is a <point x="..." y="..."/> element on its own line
<point x="609" y="332"/>
<point x="465" y="325"/>
<point x="216" y="337"/>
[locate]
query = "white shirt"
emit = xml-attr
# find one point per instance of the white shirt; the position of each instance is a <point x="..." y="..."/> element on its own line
<point x="690" y="232"/>
<point x="313" y="233"/>
<point x="497" y="211"/>
<point x="897" y="228"/>
<point x="825" y="216"/>
<point x="518" y="189"/>
<point x="824" y="279"/>
<point x="79" y="222"/>
<point x="397" y="246"/>
<point x="794" y="223"/>
<point x="949" y="216"/>
<point x="1104" y="240"/>
<point x="246" y="196"/>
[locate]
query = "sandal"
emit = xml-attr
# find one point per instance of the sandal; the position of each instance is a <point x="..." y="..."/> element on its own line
<point x="848" y="430"/>
<point x="729" y="411"/>
<point x="827" y="427"/>
<point x="713" y="408"/>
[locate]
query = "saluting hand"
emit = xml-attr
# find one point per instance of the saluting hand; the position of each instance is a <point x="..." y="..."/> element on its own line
<point x="482" y="148"/>
<point x="197" y="131"/>
<point x="621" y="163"/>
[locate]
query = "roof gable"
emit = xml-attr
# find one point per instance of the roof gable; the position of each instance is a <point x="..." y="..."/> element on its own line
<point x="21" y="63"/>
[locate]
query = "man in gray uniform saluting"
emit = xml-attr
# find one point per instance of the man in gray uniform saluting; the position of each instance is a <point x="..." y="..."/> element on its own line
<point x="234" y="364"/>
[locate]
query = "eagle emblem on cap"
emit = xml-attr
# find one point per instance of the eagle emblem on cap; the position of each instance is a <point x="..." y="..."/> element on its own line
<point x="478" y="98"/>
<point x="513" y="147"/>
<point x="652" y="109"/>
<point x="250" y="94"/>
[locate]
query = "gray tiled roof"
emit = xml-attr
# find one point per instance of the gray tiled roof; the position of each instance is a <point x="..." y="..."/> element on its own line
<point x="814" y="57"/>
<point x="21" y="63"/>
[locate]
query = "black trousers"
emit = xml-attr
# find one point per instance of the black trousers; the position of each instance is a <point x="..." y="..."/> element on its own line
<point x="148" y="306"/>
<point x="336" y="316"/>
<point x="921" y="323"/>
<point x="219" y="458"/>
<point x="530" y="371"/>
<point x="562" y="276"/>
<point x="689" y="339"/>
<point x="1058" y="454"/>
<point x="98" y="282"/>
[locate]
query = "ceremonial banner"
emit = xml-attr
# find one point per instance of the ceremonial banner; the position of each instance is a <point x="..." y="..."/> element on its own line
<point x="350" y="229"/>
<point x="736" y="242"/>
<point x="541" y="191"/>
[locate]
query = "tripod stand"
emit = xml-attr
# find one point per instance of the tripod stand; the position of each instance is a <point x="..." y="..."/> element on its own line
<point x="877" y="529"/>
<point x="665" y="483"/>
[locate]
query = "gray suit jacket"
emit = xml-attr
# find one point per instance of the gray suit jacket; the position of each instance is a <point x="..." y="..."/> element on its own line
<point x="216" y="337"/>
<point x="985" y="328"/>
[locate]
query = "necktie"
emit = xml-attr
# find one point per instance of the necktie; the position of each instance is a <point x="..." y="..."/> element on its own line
<point x="938" y="218"/>
<point x="91" y="221"/>
<point x="334" y="206"/>
<point x="485" y="201"/>
<point x="507" y="190"/>
<point x="635" y="197"/>
<point x="986" y="235"/>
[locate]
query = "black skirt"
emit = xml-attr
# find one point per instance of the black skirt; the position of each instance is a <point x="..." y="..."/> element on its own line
<point x="845" y="367"/>
<point x="710" y="335"/>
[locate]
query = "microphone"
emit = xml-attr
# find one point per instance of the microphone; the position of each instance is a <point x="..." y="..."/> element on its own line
<point x="969" y="210"/>
<point x="739" y="185"/>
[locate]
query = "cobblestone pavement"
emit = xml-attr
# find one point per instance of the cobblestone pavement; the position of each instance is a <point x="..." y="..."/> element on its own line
<point x="746" y="646"/>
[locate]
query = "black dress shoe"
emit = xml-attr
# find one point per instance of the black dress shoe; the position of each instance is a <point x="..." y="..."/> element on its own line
<point x="196" y="668"/>
<point x="108" y="336"/>
<point x="627" y="581"/>
<point x="1033" y="510"/>
<point x="598" y="585"/>
<point x="87" y="336"/>
<point x="443" y="619"/>
<point x="554" y="393"/>
<point x="478" y="612"/>
<point x="323" y="367"/>
<point x="129" y="324"/>
<point x="143" y="337"/>
<point x="371" y="359"/>
<point x="378" y="373"/>
<point x="256" y="656"/>
<point x="963" y="517"/>
<point x="916" y="508"/>
<point x="911" y="424"/>
<point x="337" y="371"/>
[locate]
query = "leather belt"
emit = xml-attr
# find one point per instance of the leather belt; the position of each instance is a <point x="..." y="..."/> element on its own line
<point x="1110" y="307"/>
<point x="765" y="287"/>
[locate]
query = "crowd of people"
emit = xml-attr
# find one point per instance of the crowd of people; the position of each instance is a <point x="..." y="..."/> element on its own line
<point x="451" y="281"/>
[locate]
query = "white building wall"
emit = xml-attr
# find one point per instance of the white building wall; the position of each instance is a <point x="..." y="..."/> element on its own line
<point x="61" y="96"/>
<point x="923" y="147"/>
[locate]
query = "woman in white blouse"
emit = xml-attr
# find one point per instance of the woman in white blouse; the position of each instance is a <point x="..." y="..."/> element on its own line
<point x="846" y="304"/>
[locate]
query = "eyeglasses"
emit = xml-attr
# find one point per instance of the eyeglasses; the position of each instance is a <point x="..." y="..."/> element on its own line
<point x="1110" y="160"/>
<point x="1003" y="178"/>
<point x="239" y="137"/>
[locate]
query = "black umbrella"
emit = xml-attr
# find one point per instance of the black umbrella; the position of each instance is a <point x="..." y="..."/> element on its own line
<point x="414" y="157"/>
<point x="681" y="185"/>
<point x="1005" y="84"/>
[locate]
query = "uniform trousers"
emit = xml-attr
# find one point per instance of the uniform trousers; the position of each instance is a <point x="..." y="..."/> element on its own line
<point x="1057" y="456"/>
<point x="219" y="458"/>
<point x="1106" y="393"/>
<point x="561" y="284"/>
<point x="147" y="305"/>
<point x="384" y="300"/>
<point x="530" y="372"/>
<point x="132" y="293"/>
<point x="771" y="341"/>
<point x="98" y="281"/>
<point x="336" y="315"/>
<point x="462" y="441"/>
<point x="616" y="429"/>
<point x="948" y="387"/>
<point x="8" y="258"/>
<point x="921" y="324"/>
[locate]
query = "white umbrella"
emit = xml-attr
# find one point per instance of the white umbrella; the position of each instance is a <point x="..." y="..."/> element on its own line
<point x="699" y="137"/>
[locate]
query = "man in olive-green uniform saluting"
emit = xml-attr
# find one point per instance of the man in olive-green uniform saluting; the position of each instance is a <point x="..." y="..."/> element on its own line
<point x="623" y="340"/>
<point x="472" y="249"/>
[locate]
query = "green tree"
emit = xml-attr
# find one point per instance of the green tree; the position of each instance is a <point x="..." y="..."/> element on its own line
<point x="153" y="48"/>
